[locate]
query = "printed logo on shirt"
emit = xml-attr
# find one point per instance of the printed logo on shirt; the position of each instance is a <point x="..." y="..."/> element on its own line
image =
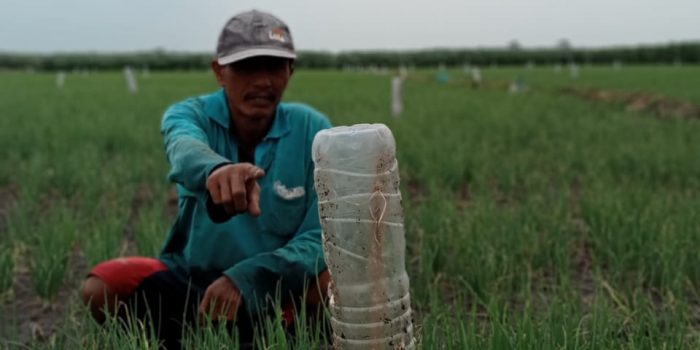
<point x="288" y="193"/>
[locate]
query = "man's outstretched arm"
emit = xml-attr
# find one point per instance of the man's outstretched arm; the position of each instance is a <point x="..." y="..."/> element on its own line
<point x="227" y="188"/>
<point x="187" y="148"/>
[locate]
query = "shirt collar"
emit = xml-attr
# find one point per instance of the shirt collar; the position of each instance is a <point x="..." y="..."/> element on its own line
<point x="217" y="109"/>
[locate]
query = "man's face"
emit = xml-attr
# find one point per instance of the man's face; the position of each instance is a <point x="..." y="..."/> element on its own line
<point x="254" y="87"/>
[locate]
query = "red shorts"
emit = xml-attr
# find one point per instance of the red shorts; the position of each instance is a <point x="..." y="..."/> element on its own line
<point x="123" y="275"/>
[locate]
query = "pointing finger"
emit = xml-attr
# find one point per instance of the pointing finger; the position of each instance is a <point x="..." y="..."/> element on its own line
<point x="254" y="173"/>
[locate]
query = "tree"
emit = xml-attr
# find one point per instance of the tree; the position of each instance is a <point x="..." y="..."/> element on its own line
<point x="565" y="48"/>
<point x="514" y="45"/>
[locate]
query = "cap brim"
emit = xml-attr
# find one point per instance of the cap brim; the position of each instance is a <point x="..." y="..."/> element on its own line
<point x="253" y="53"/>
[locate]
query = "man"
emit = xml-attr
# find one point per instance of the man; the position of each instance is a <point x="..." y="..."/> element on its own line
<point x="247" y="229"/>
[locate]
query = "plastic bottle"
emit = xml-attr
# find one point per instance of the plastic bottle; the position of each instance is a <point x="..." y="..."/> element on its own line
<point x="357" y="182"/>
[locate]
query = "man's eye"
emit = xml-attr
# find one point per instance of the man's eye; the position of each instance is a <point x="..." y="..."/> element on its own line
<point x="246" y="66"/>
<point x="249" y="66"/>
<point x="276" y="67"/>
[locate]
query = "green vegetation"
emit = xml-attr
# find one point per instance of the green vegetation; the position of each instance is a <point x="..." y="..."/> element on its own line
<point x="681" y="52"/>
<point x="535" y="220"/>
<point x="679" y="82"/>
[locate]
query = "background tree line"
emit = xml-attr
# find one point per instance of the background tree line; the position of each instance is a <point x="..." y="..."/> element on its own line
<point x="563" y="53"/>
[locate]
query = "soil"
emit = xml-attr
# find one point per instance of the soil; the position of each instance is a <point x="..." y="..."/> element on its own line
<point x="464" y="196"/>
<point x="583" y="258"/>
<point x="658" y="105"/>
<point x="416" y="191"/>
<point x="171" y="207"/>
<point x="8" y="197"/>
<point x="142" y="196"/>
<point x="26" y="317"/>
<point x="504" y="195"/>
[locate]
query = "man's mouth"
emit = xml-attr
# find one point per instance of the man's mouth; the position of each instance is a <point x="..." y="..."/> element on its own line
<point x="260" y="98"/>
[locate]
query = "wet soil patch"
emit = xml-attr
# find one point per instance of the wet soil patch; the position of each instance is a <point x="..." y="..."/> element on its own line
<point x="658" y="105"/>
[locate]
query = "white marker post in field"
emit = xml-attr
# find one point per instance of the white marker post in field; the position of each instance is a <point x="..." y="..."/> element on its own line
<point x="557" y="68"/>
<point x="573" y="70"/>
<point x="396" y="96"/>
<point x="475" y="75"/>
<point x="60" y="79"/>
<point x="131" y="82"/>
<point x="617" y="65"/>
<point x="403" y="72"/>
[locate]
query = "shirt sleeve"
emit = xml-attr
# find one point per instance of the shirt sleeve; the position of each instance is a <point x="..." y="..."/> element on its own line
<point x="187" y="148"/>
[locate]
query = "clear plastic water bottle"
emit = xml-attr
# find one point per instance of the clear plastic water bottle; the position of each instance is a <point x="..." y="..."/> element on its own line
<point x="357" y="181"/>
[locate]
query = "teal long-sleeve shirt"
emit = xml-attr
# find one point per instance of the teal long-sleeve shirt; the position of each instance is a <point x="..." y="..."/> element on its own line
<point x="283" y="244"/>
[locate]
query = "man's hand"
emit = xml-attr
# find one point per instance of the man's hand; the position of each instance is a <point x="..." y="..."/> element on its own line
<point x="235" y="187"/>
<point x="221" y="301"/>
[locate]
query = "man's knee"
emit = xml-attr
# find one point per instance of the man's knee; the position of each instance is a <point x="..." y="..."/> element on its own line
<point x="324" y="278"/>
<point x="98" y="296"/>
<point x="316" y="294"/>
<point x="118" y="278"/>
<point x="94" y="290"/>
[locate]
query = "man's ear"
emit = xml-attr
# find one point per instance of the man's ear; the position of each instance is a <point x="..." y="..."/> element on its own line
<point x="291" y="67"/>
<point x="218" y="72"/>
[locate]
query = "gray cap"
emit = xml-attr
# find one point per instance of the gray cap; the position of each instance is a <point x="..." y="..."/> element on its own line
<point x="251" y="34"/>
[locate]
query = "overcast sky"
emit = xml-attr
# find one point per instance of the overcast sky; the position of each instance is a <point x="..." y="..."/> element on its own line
<point x="127" y="25"/>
